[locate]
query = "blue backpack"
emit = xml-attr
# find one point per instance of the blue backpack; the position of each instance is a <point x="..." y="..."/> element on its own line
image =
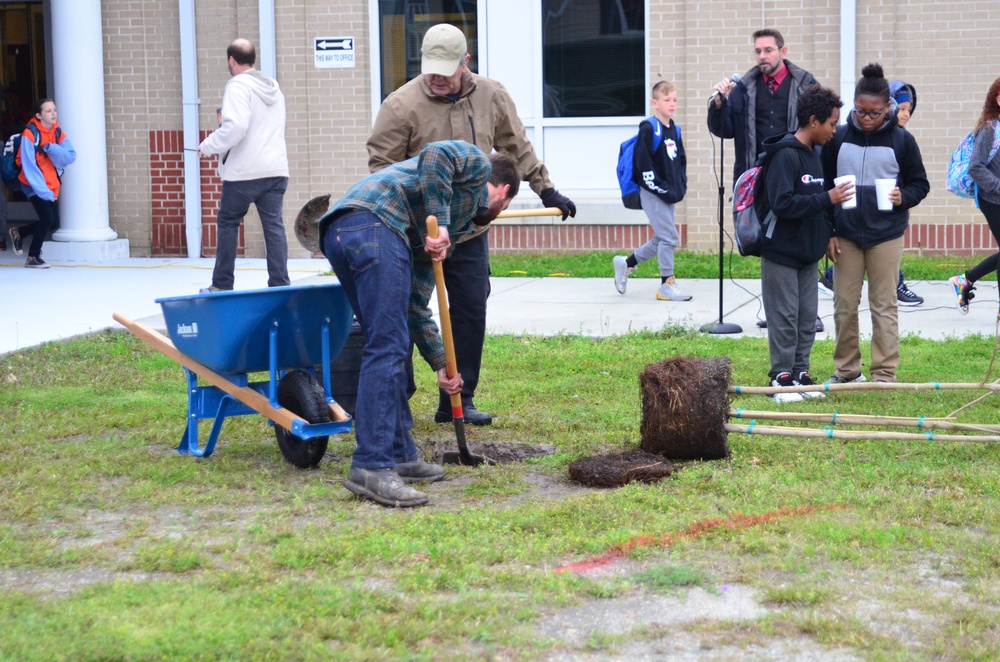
<point x="959" y="182"/>
<point x="626" y="162"/>
<point x="9" y="169"/>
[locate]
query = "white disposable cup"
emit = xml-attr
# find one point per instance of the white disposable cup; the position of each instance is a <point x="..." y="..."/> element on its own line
<point x="851" y="202"/>
<point x="883" y="187"/>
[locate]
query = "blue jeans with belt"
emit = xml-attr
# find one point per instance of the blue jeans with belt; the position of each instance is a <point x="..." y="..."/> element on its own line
<point x="373" y="265"/>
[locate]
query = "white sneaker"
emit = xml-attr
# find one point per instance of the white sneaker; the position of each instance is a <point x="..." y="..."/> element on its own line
<point x="785" y="379"/>
<point x="622" y="272"/>
<point x="671" y="291"/>
<point x="805" y="380"/>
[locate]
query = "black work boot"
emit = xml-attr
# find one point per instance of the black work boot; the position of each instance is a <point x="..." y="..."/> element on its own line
<point x="471" y="415"/>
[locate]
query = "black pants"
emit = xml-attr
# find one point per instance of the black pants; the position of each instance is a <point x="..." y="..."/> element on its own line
<point x="990" y="265"/>
<point x="467" y="279"/>
<point x="48" y="221"/>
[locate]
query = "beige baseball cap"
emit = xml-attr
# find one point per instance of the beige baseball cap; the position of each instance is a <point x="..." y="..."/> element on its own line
<point x="443" y="49"/>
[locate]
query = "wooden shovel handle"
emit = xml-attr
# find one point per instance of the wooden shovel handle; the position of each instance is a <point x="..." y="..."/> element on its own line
<point x="451" y="365"/>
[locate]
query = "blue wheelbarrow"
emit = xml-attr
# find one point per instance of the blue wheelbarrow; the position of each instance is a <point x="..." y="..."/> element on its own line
<point x="287" y="332"/>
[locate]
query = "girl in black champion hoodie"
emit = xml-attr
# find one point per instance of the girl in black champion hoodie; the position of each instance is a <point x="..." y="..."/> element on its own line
<point x="797" y="238"/>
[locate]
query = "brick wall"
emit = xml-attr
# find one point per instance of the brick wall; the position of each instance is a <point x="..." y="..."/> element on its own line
<point x="693" y="44"/>
<point x="167" y="209"/>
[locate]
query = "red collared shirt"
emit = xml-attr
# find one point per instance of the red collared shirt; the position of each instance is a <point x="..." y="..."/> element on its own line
<point x="779" y="77"/>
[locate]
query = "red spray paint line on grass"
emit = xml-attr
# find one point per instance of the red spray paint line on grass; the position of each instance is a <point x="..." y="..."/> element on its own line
<point x="733" y="521"/>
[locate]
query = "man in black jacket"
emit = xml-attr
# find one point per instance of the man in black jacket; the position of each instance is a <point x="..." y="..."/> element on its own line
<point x="761" y="104"/>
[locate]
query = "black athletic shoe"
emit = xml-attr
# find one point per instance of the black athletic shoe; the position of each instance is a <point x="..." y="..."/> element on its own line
<point x="907" y="297"/>
<point x="36" y="263"/>
<point x="471" y="415"/>
<point x="15" y="237"/>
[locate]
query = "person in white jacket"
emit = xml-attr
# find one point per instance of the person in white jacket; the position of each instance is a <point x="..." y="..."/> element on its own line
<point x="253" y="165"/>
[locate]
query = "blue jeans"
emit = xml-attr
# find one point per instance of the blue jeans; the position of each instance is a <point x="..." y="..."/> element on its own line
<point x="268" y="194"/>
<point x="373" y="265"/>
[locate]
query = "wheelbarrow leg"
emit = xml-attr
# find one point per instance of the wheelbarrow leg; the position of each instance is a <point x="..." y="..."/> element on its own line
<point x="189" y="442"/>
<point x="197" y="402"/>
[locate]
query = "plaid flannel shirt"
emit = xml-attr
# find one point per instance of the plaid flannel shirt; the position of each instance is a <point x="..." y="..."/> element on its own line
<point x="447" y="179"/>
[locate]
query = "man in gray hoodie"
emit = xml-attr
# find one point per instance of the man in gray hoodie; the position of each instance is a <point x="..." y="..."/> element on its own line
<point x="253" y="165"/>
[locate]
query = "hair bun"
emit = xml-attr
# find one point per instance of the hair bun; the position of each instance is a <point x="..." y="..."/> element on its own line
<point x="873" y="70"/>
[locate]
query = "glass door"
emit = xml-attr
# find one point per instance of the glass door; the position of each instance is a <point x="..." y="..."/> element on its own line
<point x="22" y="75"/>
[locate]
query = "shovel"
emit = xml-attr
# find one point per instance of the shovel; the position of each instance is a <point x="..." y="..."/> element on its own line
<point x="463" y="456"/>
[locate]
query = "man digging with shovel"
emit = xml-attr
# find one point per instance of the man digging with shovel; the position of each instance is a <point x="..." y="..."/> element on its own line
<point x="375" y="238"/>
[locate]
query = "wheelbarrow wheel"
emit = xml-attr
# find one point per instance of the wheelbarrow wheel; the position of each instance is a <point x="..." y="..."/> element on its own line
<point x="302" y="395"/>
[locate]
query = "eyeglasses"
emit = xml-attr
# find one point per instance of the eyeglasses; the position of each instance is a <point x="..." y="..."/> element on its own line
<point x="861" y="114"/>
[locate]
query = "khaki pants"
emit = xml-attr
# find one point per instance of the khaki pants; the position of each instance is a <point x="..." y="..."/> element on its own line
<point x="881" y="263"/>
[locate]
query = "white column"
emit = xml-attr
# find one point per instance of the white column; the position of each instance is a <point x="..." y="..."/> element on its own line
<point x="78" y="89"/>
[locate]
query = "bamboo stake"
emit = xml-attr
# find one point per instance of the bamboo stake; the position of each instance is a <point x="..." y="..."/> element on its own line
<point x="856" y="435"/>
<point x="863" y="386"/>
<point x="977" y="400"/>
<point x="862" y="419"/>
<point x="525" y="213"/>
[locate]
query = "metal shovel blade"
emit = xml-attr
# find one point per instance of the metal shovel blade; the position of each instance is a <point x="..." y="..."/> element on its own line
<point x="463" y="456"/>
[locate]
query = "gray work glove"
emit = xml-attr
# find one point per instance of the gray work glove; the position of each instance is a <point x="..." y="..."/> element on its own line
<point x="553" y="198"/>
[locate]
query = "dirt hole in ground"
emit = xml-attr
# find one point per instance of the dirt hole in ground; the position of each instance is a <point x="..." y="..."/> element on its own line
<point x="499" y="451"/>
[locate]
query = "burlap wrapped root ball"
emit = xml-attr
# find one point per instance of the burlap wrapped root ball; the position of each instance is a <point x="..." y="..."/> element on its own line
<point x="685" y="406"/>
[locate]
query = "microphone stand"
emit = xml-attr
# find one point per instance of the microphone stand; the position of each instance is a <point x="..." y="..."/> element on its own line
<point x="721" y="327"/>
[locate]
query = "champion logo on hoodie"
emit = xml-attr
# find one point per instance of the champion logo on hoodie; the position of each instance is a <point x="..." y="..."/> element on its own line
<point x="810" y="179"/>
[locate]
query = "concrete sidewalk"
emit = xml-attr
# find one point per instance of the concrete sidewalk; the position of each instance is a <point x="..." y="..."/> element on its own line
<point x="72" y="299"/>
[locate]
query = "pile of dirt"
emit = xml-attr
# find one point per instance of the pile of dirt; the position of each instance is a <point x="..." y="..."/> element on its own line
<point x="617" y="469"/>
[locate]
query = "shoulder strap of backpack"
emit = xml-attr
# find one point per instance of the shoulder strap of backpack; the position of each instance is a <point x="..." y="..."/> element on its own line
<point x="996" y="140"/>
<point x="657" y="131"/>
<point x="36" y="134"/>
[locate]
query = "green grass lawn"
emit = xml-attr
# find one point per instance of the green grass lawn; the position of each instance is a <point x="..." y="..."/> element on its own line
<point x="114" y="546"/>
<point x="699" y="265"/>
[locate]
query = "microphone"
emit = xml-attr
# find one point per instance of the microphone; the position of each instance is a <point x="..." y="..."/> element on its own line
<point x="735" y="78"/>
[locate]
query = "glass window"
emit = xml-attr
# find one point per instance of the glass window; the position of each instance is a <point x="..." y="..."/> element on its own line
<point x="402" y="24"/>
<point x="594" y="58"/>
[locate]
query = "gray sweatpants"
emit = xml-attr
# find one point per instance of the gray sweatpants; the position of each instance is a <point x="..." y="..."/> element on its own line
<point x="665" y="237"/>
<point x="790" y="305"/>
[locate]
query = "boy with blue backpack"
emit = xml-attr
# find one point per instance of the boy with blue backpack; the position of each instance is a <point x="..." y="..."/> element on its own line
<point x="659" y="168"/>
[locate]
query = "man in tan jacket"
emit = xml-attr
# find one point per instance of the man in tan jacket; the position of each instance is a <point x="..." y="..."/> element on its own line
<point x="449" y="102"/>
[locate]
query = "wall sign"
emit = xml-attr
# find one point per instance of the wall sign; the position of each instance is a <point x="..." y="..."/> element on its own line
<point x="333" y="52"/>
